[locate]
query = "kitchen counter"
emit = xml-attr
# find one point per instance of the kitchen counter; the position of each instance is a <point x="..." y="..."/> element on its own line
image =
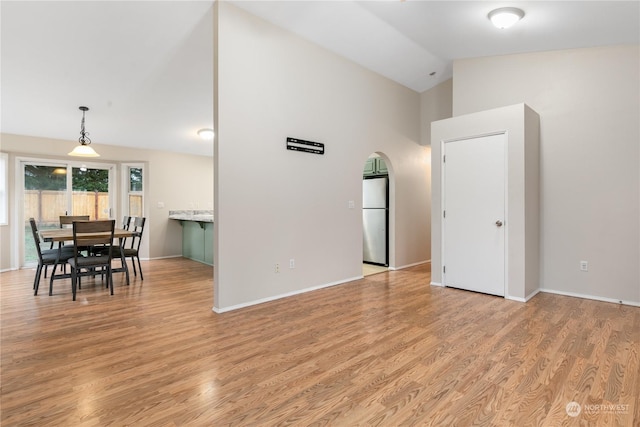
<point x="197" y="234"/>
<point x="192" y="215"/>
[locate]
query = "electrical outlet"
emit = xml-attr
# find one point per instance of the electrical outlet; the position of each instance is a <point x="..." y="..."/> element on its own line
<point x="352" y="204"/>
<point x="584" y="266"/>
<point x="292" y="263"/>
<point x="277" y="268"/>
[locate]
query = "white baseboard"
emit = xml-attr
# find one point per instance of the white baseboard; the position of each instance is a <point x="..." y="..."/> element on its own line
<point x="531" y="295"/>
<point x="568" y="294"/>
<point x="285" y="295"/>
<point x="525" y="299"/>
<point x="410" y="265"/>
<point x="592" y="297"/>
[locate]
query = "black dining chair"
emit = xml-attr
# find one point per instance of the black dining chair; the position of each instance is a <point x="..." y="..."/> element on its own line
<point x="46" y="257"/>
<point x="126" y="220"/>
<point x="66" y="221"/>
<point x="84" y="236"/>
<point x="96" y="250"/>
<point x="132" y="249"/>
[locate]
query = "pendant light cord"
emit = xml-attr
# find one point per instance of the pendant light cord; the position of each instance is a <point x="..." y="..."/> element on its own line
<point x="84" y="136"/>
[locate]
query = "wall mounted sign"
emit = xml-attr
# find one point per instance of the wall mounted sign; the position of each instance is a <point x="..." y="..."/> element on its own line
<point x="296" y="144"/>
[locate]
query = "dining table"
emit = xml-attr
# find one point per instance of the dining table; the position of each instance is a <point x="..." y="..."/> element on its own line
<point x="61" y="235"/>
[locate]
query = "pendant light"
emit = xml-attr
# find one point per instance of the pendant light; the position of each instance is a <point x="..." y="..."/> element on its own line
<point x="84" y="150"/>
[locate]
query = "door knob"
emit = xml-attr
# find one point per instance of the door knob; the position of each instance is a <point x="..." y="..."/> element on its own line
<point x="499" y="223"/>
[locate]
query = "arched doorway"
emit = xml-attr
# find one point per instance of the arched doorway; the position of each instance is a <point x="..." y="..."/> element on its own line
<point x="376" y="214"/>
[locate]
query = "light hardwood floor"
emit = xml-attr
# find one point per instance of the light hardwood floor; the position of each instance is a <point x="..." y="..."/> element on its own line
<point x="386" y="350"/>
<point x="369" y="269"/>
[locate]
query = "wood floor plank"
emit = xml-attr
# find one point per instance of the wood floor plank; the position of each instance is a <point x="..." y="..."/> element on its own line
<point x="387" y="350"/>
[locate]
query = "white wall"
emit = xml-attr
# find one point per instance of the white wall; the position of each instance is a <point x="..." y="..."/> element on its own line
<point x="272" y="204"/>
<point x="589" y="106"/>
<point x="175" y="179"/>
<point x="435" y="104"/>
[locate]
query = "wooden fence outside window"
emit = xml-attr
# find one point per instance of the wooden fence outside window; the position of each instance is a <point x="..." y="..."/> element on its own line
<point x="46" y="206"/>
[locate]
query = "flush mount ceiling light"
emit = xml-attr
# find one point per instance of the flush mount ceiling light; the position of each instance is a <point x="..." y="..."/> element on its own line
<point x="505" y="17"/>
<point x="206" y="134"/>
<point x="83" y="150"/>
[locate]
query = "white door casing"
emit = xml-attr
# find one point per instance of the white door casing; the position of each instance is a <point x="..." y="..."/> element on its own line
<point x="474" y="217"/>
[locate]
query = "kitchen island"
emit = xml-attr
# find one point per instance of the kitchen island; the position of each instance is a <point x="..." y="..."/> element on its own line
<point x="197" y="233"/>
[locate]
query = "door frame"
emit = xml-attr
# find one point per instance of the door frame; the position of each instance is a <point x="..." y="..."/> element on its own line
<point x="18" y="230"/>
<point x="506" y="204"/>
<point x="391" y="207"/>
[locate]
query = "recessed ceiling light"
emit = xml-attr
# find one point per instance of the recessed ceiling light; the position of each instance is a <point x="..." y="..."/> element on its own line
<point x="505" y="17"/>
<point x="206" y="134"/>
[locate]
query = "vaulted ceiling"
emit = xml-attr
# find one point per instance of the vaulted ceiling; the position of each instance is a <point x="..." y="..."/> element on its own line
<point x="145" y="68"/>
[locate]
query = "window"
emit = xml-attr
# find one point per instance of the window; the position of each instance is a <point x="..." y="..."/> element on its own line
<point x="134" y="182"/>
<point x="90" y="188"/>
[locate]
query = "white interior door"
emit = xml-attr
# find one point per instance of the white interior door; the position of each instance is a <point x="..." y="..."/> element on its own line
<point x="474" y="214"/>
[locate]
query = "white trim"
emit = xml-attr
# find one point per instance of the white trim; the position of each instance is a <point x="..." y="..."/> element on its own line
<point x="4" y="189"/>
<point x="410" y="265"/>
<point x="591" y="297"/>
<point x="162" y="257"/>
<point x="437" y="284"/>
<point x="507" y="219"/>
<point x="285" y="295"/>
<point x="18" y="250"/>
<point x="441" y="213"/>
<point x="532" y="294"/>
<point x="443" y="153"/>
<point x="525" y="299"/>
<point x="125" y="186"/>
<point x="475" y="136"/>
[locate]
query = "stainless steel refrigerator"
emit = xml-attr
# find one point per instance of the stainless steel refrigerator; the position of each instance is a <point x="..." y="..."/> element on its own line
<point x="375" y="201"/>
